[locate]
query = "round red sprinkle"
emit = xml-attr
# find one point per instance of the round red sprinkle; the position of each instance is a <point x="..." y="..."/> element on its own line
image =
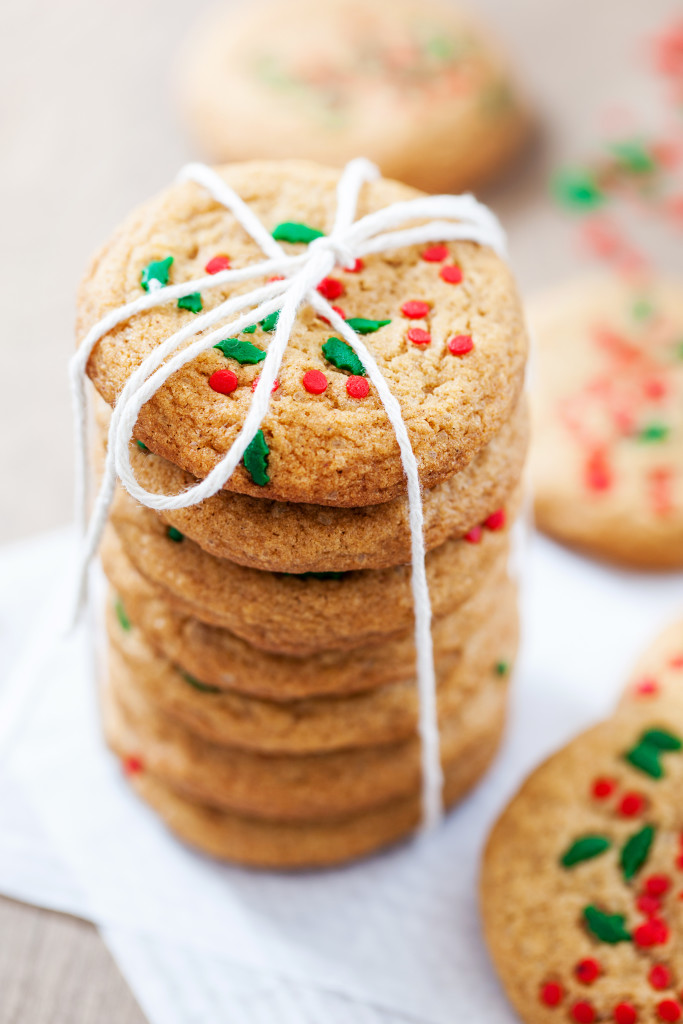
<point x="451" y="274"/>
<point x="598" y="474"/>
<point x="654" y="387"/>
<point x="587" y="971"/>
<point x="657" y="885"/>
<point x="669" y="1010"/>
<point x="216" y="264"/>
<point x="435" y="254"/>
<point x="631" y="805"/>
<point x="276" y="277"/>
<point x="583" y="1013"/>
<point x="357" y="387"/>
<point x="460" y="345"/>
<point x="624" y="1013"/>
<point x="496" y="521"/>
<point x="649" y="905"/>
<point x="358" y="265"/>
<point x="474" y="536"/>
<point x="132" y="765"/>
<point x="418" y="336"/>
<point x="646" y="687"/>
<point x="602" y="788"/>
<point x="677" y="661"/>
<point x="679" y="862"/>
<point x="257" y="378"/>
<point x="315" y="382"/>
<point x="551" y="993"/>
<point x="415" y="309"/>
<point x="660" y="976"/>
<point x="223" y="381"/>
<point x="338" y="310"/>
<point x="654" y="932"/>
<point x="330" y="288"/>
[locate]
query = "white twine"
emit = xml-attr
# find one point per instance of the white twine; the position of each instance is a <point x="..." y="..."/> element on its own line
<point x="458" y="218"/>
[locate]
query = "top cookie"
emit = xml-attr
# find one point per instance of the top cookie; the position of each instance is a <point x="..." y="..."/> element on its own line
<point x="412" y="84"/>
<point x="333" y="447"/>
<point x="607" y="452"/>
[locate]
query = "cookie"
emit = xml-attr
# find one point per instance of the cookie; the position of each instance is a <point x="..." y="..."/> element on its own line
<point x="413" y="84"/>
<point x="607" y="453"/>
<point x="283" y="787"/>
<point x="328" y="446"/>
<point x="293" y="845"/>
<point x="582" y="877"/>
<point x="289" y="614"/>
<point x="284" y="537"/>
<point x="385" y="714"/>
<point x="218" y="658"/>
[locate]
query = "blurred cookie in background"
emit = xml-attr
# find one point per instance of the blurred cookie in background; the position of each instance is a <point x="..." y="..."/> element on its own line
<point x="607" y="449"/>
<point x="411" y="84"/>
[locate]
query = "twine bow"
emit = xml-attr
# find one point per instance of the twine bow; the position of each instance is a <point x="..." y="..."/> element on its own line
<point x="456" y="218"/>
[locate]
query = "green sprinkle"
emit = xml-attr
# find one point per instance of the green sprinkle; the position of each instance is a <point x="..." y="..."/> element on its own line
<point x="157" y="270"/>
<point x="653" y="433"/>
<point x="502" y="668"/>
<point x="584" y="849"/>
<point x="269" y="323"/>
<point x="142" y="446"/>
<point x="606" y="927"/>
<point x="124" y="621"/>
<point x="173" y="534"/>
<point x="341" y="355"/>
<point x="256" y="459"/>
<point x="363" y="326"/>
<point x="635" y="851"/>
<point x="289" y="231"/>
<point x="642" y="309"/>
<point x="242" y="351"/>
<point x="193" y="302"/>
<point x="633" y="156"/>
<point x="661" y="739"/>
<point x="646" y="759"/>
<point x="577" y="189"/>
<point x="202" y="687"/>
<point x="249" y="330"/>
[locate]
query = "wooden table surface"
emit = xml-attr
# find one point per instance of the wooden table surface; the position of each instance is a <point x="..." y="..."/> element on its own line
<point x="88" y="130"/>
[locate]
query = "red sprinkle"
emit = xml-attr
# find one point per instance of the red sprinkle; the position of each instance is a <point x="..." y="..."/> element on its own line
<point x="583" y="1013"/>
<point x="276" y="277"/>
<point x="587" y="971"/>
<point x="223" y="381"/>
<point x="356" y="268"/>
<point x="436" y="254"/>
<point x="603" y="787"/>
<point x="631" y="805"/>
<point x="216" y="264"/>
<point x="669" y="1010"/>
<point x="649" y="905"/>
<point x="654" y="387"/>
<point x="496" y="521"/>
<point x="654" y="932"/>
<point x="415" y="309"/>
<point x="460" y="345"/>
<point x="357" y="387"/>
<point x="257" y="378"/>
<point x="660" y="976"/>
<point x="646" y="687"/>
<point x="474" y="536"/>
<point x="132" y="765"/>
<point x="418" y="336"/>
<point x="551" y="993"/>
<point x="597" y="474"/>
<point x="657" y="885"/>
<point x="451" y="274"/>
<point x="677" y="661"/>
<point x="337" y="310"/>
<point x="315" y="382"/>
<point x="624" y="1013"/>
<point x="330" y="288"/>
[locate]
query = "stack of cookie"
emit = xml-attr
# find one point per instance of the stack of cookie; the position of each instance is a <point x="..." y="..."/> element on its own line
<point x="261" y="665"/>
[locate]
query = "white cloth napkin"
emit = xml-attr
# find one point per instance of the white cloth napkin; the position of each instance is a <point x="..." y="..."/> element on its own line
<point x="395" y="938"/>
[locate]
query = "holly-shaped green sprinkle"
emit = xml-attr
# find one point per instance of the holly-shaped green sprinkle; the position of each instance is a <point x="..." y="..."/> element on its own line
<point x="173" y="534"/>
<point x="290" y="231"/>
<point x="193" y="302"/>
<point x="662" y="739"/>
<point x="633" y="156"/>
<point x="157" y="270"/>
<point x="654" y="432"/>
<point x="250" y="329"/>
<point x="202" y="687"/>
<point x="635" y="851"/>
<point x="646" y="754"/>
<point x="341" y="355"/>
<point x="124" y="621"/>
<point x="608" y="928"/>
<point x="361" y="325"/>
<point x="577" y="189"/>
<point x="502" y="668"/>
<point x="242" y="351"/>
<point x="142" y="446"/>
<point x="584" y="848"/>
<point x="269" y="323"/>
<point x="256" y="459"/>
